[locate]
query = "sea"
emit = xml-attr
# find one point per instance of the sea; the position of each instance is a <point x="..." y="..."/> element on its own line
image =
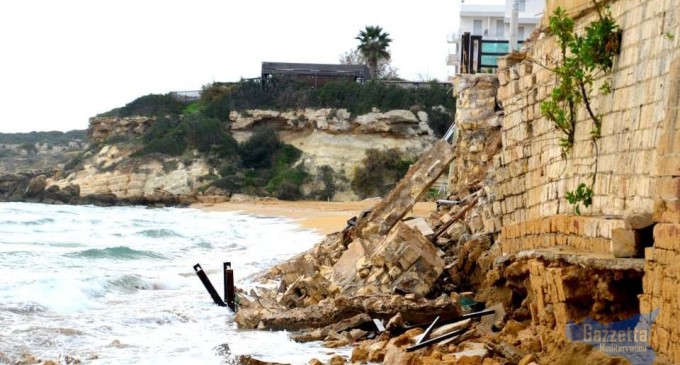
<point x="116" y="285"/>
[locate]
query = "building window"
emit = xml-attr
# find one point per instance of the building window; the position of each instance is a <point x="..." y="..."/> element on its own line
<point x="520" y="33"/>
<point x="521" y="5"/>
<point x="499" y="28"/>
<point x="477" y="27"/>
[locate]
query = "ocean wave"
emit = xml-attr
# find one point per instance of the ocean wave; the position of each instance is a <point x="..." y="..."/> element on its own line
<point x="158" y="233"/>
<point x="204" y="244"/>
<point x="131" y="283"/>
<point x="22" y="308"/>
<point x="234" y="247"/>
<point x="64" y="295"/>
<point x="35" y="222"/>
<point x="118" y="252"/>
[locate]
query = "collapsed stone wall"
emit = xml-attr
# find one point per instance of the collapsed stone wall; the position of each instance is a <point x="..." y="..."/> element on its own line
<point x="477" y="141"/>
<point x="636" y="203"/>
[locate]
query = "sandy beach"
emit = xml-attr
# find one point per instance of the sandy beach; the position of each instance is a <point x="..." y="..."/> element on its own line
<point x="324" y="217"/>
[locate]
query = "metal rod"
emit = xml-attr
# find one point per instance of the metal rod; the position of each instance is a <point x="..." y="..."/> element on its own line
<point x="427" y="331"/>
<point x="208" y="285"/>
<point x="483" y="313"/>
<point x="435" y="340"/>
<point x="229" y="286"/>
<point x="454" y="219"/>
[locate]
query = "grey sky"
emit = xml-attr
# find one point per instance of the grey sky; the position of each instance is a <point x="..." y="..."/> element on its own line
<point x="62" y="62"/>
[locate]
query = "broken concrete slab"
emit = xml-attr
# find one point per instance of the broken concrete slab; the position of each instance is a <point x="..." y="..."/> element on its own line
<point x="580" y="258"/>
<point x="410" y="189"/>
<point x="404" y="261"/>
<point x="330" y="312"/>
<point x="420" y="225"/>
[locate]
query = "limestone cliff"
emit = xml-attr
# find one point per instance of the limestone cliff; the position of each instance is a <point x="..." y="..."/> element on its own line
<point x="332" y="137"/>
<point x="111" y="170"/>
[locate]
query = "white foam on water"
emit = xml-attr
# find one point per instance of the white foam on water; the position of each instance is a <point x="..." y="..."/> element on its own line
<point x="147" y="307"/>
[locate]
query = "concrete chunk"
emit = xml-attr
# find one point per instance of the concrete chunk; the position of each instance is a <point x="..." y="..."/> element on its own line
<point x="420" y="225"/>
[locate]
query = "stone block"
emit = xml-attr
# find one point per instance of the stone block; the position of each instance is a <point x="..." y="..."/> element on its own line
<point x="639" y="220"/>
<point x="625" y="242"/>
<point x="457" y="230"/>
<point x="420" y="225"/>
<point x="667" y="236"/>
<point x="669" y="166"/>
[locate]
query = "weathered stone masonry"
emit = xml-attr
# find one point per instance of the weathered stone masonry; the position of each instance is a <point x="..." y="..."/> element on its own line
<point x="637" y="190"/>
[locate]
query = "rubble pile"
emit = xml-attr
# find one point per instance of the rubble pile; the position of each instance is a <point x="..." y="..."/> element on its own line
<point x="381" y="283"/>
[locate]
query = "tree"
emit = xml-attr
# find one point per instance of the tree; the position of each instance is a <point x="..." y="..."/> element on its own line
<point x="373" y="47"/>
<point x="385" y="69"/>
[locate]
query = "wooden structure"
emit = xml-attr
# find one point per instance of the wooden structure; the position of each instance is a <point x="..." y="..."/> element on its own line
<point x="316" y="74"/>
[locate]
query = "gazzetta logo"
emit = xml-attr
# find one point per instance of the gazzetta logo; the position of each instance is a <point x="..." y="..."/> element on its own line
<point x="628" y="338"/>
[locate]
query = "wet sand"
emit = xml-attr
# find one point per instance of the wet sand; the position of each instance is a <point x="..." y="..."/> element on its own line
<point x="324" y="217"/>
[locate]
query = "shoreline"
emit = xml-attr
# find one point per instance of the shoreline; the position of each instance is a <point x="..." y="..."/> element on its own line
<point x="321" y="216"/>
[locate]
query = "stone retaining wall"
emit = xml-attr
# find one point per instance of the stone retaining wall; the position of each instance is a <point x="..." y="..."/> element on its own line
<point x="637" y="161"/>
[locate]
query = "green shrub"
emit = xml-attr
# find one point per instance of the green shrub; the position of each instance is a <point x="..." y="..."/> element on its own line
<point x="172" y="136"/>
<point x="285" y="157"/>
<point x="434" y="95"/>
<point x="258" y="151"/>
<point x="439" y="121"/>
<point x="328" y="178"/>
<point x="338" y="94"/>
<point x="164" y="136"/>
<point x="230" y="183"/>
<point x="380" y="172"/>
<point x="152" y="104"/>
<point x="215" y="100"/>
<point x="287" y="93"/>
<point x="193" y="108"/>
<point x="207" y="135"/>
<point x="286" y="184"/>
<point x="159" y="128"/>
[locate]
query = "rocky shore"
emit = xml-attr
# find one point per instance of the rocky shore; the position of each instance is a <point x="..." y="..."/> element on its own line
<point x="36" y="187"/>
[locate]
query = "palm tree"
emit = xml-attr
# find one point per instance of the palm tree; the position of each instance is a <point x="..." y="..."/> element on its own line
<point x="373" y="47"/>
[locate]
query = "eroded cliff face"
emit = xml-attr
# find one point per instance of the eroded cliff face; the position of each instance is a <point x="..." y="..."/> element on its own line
<point x="332" y="137"/>
<point x="335" y="138"/>
<point x="111" y="170"/>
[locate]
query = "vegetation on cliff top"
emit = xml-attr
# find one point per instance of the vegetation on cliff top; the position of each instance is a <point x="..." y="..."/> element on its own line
<point x="218" y="99"/>
<point x="49" y="138"/>
<point x="263" y="165"/>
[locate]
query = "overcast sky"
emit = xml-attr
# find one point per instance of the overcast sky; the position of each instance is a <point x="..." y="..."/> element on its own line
<point x="62" y="62"/>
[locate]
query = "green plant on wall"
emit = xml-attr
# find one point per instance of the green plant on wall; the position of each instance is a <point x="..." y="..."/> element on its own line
<point x="582" y="194"/>
<point x="583" y="58"/>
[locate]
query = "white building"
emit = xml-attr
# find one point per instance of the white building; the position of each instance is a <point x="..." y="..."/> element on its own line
<point x="491" y="20"/>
